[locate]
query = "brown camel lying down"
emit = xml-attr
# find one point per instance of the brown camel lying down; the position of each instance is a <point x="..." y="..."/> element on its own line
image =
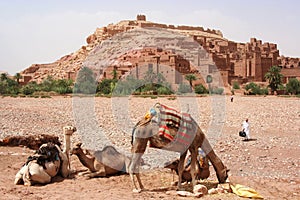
<point x="202" y="169"/>
<point x="101" y="163"/>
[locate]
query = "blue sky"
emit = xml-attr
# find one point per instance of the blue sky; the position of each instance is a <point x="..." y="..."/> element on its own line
<point x="35" y="31"/>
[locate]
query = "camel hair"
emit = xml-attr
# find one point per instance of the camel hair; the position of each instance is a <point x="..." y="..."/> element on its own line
<point x="147" y="130"/>
<point x="101" y="163"/>
<point x="33" y="171"/>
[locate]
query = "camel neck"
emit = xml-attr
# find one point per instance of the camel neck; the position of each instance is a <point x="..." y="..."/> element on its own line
<point x="67" y="143"/>
<point x="86" y="161"/>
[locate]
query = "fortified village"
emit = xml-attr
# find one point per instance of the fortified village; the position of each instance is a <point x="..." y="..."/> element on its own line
<point x="240" y="62"/>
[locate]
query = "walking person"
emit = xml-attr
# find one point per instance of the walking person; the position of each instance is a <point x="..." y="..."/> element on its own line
<point x="246" y="129"/>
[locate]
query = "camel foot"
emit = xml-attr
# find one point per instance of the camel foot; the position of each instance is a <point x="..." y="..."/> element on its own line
<point x="27" y="184"/>
<point x="137" y="190"/>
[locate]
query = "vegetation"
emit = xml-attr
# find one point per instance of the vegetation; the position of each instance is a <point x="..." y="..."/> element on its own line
<point x="293" y="86"/>
<point x="217" y="91"/>
<point x="236" y="85"/>
<point x="254" y="89"/>
<point x="11" y="86"/>
<point x="200" y="89"/>
<point x="274" y="78"/>
<point x="190" y="78"/>
<point x="153" y="84"/>
<point x="184" y="88"/>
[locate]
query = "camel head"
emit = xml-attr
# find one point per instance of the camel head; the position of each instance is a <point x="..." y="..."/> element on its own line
<point x="77" y="149"/>
<point x="223" y="176"/>
<point x="69" y="130"/>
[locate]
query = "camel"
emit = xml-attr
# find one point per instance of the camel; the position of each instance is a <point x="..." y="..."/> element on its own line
<point x="101" y="163"/>
<point x="202" y="169"/>
<point x="47" y="162"/>
<point x="180" y="134"/>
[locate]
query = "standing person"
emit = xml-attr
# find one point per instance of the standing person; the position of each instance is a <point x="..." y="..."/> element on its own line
<point x="246" y="129"/>
<point x="231" y="98"/>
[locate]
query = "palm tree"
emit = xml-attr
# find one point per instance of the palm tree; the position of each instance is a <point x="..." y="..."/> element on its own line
<point x="3" y="77"/>
<point x="274" y="77"/>
<point x="190" y="78"/>
<point x="18" y="77"/>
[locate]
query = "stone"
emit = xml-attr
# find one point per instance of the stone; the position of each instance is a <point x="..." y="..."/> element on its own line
<point x="200" y="189"/>
<point x="213" y="191"/>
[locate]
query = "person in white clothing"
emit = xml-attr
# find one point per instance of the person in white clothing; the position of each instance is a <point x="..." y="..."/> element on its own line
<point x="246" y="129"/>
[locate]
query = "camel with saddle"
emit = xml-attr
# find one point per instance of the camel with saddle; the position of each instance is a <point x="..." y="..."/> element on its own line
<point x="166" y="128"/>
<point x="48" y="161"/>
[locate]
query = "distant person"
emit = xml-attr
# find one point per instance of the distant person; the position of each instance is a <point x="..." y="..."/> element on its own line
<point x="231" y="98"/>
<point x="246" y="129"/>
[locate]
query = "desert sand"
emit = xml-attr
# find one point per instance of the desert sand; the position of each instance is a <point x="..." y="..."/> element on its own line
<point x="269" y="163"/>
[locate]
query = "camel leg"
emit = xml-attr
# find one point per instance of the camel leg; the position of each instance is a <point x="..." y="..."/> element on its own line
<point x="96" y="174"/>
<point x="84" y="173"/>
<point x="180" y="169"/>
<point x="19" y="175"/>
<point x="134" y="170"/>
<point x="194" y="154"/>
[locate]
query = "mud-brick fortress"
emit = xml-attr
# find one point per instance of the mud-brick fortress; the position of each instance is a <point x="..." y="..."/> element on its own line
<point x="241" y="62"/>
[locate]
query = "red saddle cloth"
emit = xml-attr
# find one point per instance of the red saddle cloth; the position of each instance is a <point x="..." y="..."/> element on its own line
<point x="171" y="118"/>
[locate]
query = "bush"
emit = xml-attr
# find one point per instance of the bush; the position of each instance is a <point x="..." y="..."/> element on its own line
<point x="27" y="89"/>
<point x="254" y="89"/>
<point x="184" y="88"/>
<point x="200" y="89"/>
<point x="236" y="85"/>
<point x="293" y="86"/>
<point x="104" y="87"/>
<point x="164" y="91"/>
<point x="217" y="91"/>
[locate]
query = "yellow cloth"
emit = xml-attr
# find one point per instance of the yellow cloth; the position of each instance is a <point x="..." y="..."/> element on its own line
<point x="244" y="191"/>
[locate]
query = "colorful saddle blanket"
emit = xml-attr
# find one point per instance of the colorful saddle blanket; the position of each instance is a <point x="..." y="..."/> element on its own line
<point x="169" y="118"/>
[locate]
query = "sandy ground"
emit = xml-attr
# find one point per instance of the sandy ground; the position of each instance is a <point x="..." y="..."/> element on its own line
<point x="269" y="163"/>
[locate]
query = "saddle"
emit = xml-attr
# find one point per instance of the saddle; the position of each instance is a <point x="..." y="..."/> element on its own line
<point x="47" y="153"/>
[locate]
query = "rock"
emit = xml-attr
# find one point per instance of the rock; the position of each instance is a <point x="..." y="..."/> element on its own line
<point x="213" y="191"/>
<point x="200" y="189"/>
<point x="225" y="186"/>
<point x="189" y="194"/>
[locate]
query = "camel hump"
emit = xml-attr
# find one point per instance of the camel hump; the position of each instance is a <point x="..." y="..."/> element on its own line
<point x="110" y="150"/>
<point x="107" y="152"/>
<point x="109" y="156"/>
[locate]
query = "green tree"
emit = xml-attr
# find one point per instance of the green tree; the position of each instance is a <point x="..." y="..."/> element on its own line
<point x="104" y="87"/>
<point x="190" y="78"/>
<point x="115" y="74"/>
<point x="293" y="86"/>
<point x="18" y="77"/>
<point x="153" y="79"/>
<point x="236" y="85"/>
<point x="274" y="78"/>
<point x="47" y="84"/>
<point x="200" y="89"/>
<point x="62" y="86"/>
<point x="7" y="85"/>
<point x="3" y="77"/>
<point x="253" y="89"/>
